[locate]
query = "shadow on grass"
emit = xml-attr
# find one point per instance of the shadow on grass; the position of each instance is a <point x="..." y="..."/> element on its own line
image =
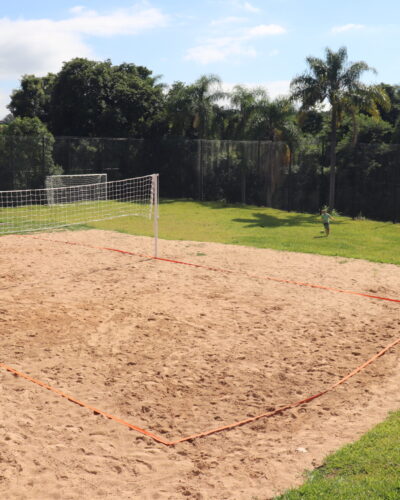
<point x="270" y="221"/>
<point x="264" y="220"/>
<point x="259" y="219"/>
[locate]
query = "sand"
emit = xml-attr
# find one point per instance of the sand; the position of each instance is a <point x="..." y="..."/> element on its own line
<point x="179" y="350"/>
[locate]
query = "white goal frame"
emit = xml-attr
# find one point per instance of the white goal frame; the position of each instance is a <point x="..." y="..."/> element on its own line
<point x="49" y="209"/>
<point x="69" y="180"/>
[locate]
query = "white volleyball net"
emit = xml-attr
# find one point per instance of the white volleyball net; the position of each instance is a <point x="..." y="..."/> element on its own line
<point x="58" y="207"/>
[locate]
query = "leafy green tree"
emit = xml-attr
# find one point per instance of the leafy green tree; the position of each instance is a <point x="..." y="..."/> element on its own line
<point x="332" y="80"/>
<point x="310" y="121"/>
<point x="33" y="98"/>
<point x="90" y="98"/>
<point x="247" y="105"/>
<point x="27" y="154"/>
<point x="365" y="99"/>
<point x="205" y="93"/>
<point x="180" y="110"/>
<point x="272" y="119"/>
<point x="134" y="104"/>
<point x="193" y="108"/>
<point x="391" y="114"/>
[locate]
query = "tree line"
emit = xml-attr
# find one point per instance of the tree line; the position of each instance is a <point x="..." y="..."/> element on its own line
<point x="328" y="104"/>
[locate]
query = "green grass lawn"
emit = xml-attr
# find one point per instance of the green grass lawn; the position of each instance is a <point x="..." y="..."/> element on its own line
<point x="368" y="469"/>
<point x="268" y="228"/>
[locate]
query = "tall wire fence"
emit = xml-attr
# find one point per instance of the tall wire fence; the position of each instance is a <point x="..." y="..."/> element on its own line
<point x="262" y="173"/>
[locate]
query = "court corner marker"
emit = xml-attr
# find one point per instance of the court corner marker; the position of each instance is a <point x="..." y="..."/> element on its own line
<point x="192" y="437"/>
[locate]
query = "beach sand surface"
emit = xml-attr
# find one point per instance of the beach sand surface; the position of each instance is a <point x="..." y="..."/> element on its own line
<point x="178" y="350"/>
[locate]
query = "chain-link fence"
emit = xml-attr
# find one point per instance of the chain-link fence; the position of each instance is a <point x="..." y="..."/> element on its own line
<point x="252" y="172"/>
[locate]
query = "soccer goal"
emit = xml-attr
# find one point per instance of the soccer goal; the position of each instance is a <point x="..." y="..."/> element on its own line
<point x="78" y="204"/>
<point x="93" y="187"/>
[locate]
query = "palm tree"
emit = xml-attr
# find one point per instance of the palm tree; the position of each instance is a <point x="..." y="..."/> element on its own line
<point x="368" y="99"/>
<point x="273" y="119"/>
<point x="205" y="93"/>
<point x="179" y="109"/>
<point x="191" y="108"/>
<point x="333" y="80"/>
<point x="246" y="105"/>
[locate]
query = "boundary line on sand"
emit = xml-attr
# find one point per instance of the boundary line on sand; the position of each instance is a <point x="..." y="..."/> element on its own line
<point x="216" y="269"/>
<point x="166" y="442"/>
<point x="192" y="437"/>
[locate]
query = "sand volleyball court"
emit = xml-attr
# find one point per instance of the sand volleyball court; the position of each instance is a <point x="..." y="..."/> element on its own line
<point x="178" y="350"/>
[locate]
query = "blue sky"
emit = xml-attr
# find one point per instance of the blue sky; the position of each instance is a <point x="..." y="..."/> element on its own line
<point x="255" y="43"/>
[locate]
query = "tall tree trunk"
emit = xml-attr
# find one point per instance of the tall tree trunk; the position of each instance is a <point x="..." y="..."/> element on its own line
<point x="332" y="163"/>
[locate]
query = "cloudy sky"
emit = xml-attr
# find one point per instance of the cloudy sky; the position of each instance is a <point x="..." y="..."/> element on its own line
<point x="255" y="42"/>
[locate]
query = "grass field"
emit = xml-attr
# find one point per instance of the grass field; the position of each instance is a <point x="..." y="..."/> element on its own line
<point x="27" y="218"/>
<point x="268" y="228"/>
<point x="369" y="468"/>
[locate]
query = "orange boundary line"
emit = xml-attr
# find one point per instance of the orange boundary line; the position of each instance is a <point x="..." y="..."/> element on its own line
<point x="208" y="432"/>
<point x="217" y="269"/>
<point x="225" y="427"/>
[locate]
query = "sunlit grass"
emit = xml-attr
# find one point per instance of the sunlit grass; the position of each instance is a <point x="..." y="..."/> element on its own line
<point x="368" y="469"/>
<point x="268" y="228"/>
<point x="43" y="217"/>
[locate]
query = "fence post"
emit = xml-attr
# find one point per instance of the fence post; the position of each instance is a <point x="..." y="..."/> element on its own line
<point x="43" y="157"/>
<point x="199" y="172"/>
<point x="289" y="184"/>
<point x="395" y="188"/>
<point x="243" y="184"/>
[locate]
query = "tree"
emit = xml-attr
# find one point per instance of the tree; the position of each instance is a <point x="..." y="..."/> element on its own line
<point x="365" y="99"/>
<point x="26" y="154"/>
<point x="205" y="92"/>
<point x="273" y="119"/>
<point x="392" y="114"/>
<point x="33" y="98"/>
<point x="333" y="80"/>
<point x="192" y="108"/>
<point x="135" y="102"/>
<point x="247" y="104"/>
<point x="91" y="98"/>
<point x="179" y="106"/>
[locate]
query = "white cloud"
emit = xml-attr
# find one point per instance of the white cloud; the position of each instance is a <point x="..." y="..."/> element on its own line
<point x="4" y="101"/>
<point x="130" y="21"/>
<point x="347" y="27"/>
<point x="218" y="50"/>
<point x="239" y="4"/>
<point x="36" y="47"/>
<point x="221" y="48"/>
<point x="249" y="7"/>
<point x="42" y="45"/>
<point x="228" y="20"/>
<point x="278" y="88"/>
<point x="265" y="30"/>
<point x="77" y="9"/>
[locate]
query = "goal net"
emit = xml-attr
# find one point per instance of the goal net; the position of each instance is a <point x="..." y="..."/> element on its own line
<point x="93" y="187"/>
<point x="59" y="207"/>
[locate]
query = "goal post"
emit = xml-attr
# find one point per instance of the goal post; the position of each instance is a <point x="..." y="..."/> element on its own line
<point x="155" y="198"/>
<point x="54" y="208"/>
<point x="98" y="191"/>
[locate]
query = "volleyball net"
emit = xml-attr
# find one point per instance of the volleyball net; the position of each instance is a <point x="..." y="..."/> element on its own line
<point x="53" y="208"/>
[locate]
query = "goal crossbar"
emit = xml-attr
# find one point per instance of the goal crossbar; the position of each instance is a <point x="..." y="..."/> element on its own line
<point x="61" y="196"/>
<point x="51" y="208"/>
